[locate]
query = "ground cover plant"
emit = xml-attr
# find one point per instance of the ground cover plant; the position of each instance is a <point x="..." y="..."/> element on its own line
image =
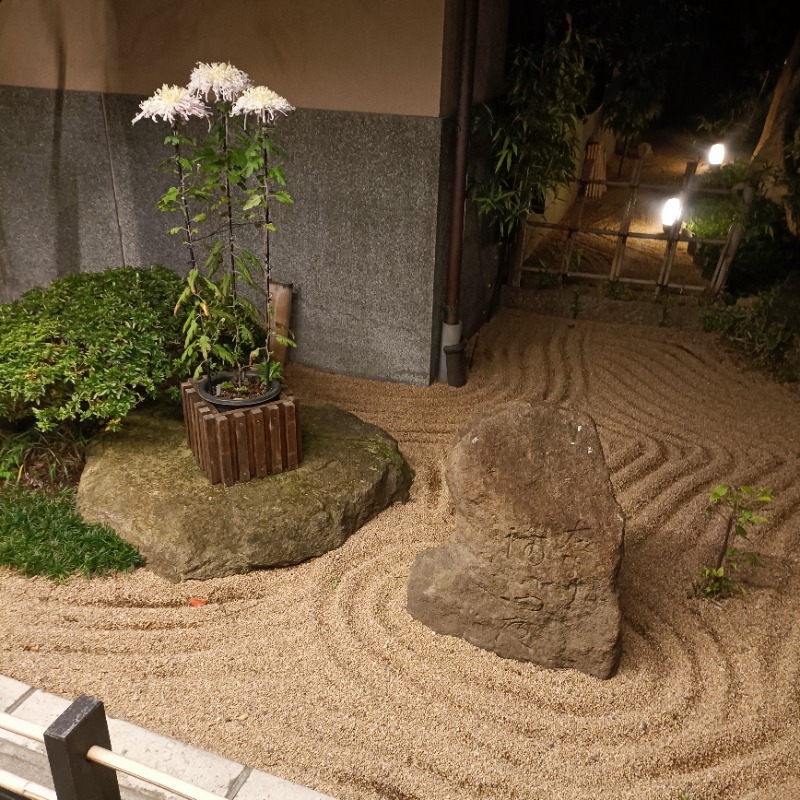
<point x="761" y="332"/>
<point x="42" y="460"/>
<point x="43" y="534"/>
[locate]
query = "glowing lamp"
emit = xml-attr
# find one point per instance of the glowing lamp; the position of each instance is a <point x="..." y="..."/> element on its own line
<point x="716" y="155"/>
<point x="670" y="212"/>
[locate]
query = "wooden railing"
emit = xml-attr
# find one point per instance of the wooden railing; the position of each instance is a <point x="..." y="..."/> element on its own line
<point x="81" y="760"/>
<point x="671" y="236"/>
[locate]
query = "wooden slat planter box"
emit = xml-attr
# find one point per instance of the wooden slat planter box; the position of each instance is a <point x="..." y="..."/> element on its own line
<point x="239" y="445"/>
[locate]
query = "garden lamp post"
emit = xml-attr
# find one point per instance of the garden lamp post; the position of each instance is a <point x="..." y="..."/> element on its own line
<point x="670" y="213"/>
<point x="716" y="155"/>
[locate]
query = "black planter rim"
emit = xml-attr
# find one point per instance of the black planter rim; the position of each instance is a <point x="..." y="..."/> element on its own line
<point x="205" y="391"/>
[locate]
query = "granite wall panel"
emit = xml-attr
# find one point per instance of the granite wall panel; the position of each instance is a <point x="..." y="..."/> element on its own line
<point x="361" y="242"/>
<point x="57" y="209"/>
<point x="136" y="152"/>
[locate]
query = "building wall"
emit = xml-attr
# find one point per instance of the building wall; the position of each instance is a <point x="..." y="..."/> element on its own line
<point x="383" y="56"/>
<point x="369" y="153"/>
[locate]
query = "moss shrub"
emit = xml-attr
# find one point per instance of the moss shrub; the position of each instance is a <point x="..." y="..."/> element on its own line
<point x="89" y="347"/>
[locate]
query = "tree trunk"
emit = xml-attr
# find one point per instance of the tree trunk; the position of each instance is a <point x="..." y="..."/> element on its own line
<point x="770" y="147"/>
<point x="778" y="132"/>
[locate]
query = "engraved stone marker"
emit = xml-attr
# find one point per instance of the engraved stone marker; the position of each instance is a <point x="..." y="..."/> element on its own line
<point x="532" y="571"/>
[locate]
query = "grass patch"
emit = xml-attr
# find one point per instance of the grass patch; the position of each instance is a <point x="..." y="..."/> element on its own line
<point x="45" y="535"/>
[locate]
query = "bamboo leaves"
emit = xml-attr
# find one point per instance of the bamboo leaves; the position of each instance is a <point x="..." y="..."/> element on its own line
<point x="533" y="133"/>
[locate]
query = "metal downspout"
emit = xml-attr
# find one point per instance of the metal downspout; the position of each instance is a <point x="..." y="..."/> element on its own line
<point x="468" y="41"/>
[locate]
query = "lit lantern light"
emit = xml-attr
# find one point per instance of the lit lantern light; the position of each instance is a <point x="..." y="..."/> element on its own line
<point x="716" y="155"/>
<point x="670" y="212"/>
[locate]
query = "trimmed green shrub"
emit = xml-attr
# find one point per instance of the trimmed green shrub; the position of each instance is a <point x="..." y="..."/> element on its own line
<point x="44" y="535"/>
<point x="768" y="251"/>
<point x="89" y="347"/>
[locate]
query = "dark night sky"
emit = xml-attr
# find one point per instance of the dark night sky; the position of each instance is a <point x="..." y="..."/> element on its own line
<point x="714" y="49"/>
<point x="736" y="45"/>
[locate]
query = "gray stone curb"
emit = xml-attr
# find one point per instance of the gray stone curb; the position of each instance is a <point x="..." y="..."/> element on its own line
<point x="211" y="772"/>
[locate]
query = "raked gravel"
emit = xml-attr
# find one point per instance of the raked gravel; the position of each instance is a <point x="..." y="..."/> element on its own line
<point x="316" y="673"/>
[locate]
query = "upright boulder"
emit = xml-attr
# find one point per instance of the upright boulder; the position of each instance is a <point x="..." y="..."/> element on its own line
<point x="532" y="571"/>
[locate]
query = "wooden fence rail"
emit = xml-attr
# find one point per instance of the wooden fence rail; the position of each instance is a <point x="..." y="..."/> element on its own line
<point x="671" y="236"/>
<point x="13" y="787"/>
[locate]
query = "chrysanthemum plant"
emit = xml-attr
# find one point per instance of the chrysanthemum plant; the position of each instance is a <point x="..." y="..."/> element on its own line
<point x="225" y="183"/>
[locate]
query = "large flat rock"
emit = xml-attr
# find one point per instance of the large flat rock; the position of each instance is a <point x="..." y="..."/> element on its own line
<point x="532" y="571"/>
<point x="144" y="483"/>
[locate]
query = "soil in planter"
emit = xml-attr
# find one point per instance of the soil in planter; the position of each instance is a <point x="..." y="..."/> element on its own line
<point x="249" y="387"/>
<point x="237" y="394"/>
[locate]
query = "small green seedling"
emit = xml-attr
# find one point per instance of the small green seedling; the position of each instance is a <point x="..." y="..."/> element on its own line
<point x="738" y="506"/>
<point x="616" y="290"/>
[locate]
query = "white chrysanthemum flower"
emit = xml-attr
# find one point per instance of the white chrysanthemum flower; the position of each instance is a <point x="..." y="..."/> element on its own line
<point x="262" y="102"/>
<point x="170" y="102"/>
<point x="226" y="81"/>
